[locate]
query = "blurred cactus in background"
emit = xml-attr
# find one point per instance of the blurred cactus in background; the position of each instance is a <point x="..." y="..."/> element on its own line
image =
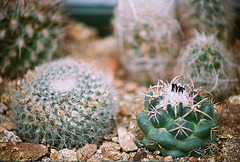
<point x="212" y="17"/>
<point x="65" y="104"/>
<point x="148" y="38"/>
<point x="30" y="32"/>
<point x="209" y="64"/>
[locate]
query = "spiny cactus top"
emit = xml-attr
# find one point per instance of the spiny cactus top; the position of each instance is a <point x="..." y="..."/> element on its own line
<point x="178" y="120"/>
<point x="29" y="33"/>
<point x="64" y="104"/>
<point x="215" y="16"/>
<point x="208" y="63"/>
<point x="148" y="37"/>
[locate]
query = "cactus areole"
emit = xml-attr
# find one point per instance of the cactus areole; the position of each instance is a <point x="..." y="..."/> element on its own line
<point x="178" y="120"/>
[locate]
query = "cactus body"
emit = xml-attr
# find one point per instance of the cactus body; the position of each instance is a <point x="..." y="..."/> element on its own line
<point x="64" y="104"/>
<point x="148" y="37"/>
<point x="208" y="63"/>
<point x="177" y="119"/>
<point x="212" y="17"/>
<point x="30" y="32"/>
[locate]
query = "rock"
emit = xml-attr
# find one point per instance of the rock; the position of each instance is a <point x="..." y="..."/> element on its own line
<point x="46" y="159"/>
<point x="168" y="158"/>
<point x="131" y="87"/>
<point x="131" y="155"/>
<point x="125" y="156"/>
<point x="63" y="155"/>
<point x="124" y="111"/>
<point x="109" y="146"/>
<point x="159" y="158"/>
<point x="139" y="156"/>
<point x="111" y="150"/>
<point x="115" y="139"/>
<point x="80" y="32"/>
<point x="193" y="159"/>
<point x="87" y="151"/>
<point x="6" y="122"/>
<point x="8" y="136"/>
<point x="15" y="151"/>
<point x="145" y="159"/>
<point x="94" y="158"/>
<point x="54" y="155"/>
<point x="118" y="83"/>
<point x="126" y="141"/>
<point x="235" y="100"/>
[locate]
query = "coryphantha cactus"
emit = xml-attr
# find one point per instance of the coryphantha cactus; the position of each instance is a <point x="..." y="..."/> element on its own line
<point x="178" y="120"/>
<point x="30" y="32"/>
<point x="212" y="17"/>
<point x="64" y="104"/>
<point x="209" y="64"/>
<point x="148" y="38"/>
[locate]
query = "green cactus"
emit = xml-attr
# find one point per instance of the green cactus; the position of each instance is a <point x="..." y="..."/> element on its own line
<point x="148" y="37"/>
<point x="212" y="17"/>
<point x="178" y="120"/>
<point x="30" y="32"/>
<point x="64" y="104"/>
<point x="208" y="63"/>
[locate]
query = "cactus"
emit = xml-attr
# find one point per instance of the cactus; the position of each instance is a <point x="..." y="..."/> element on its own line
<point x="64" y="104"/>
<point x="148" y="38"/>
<point x="30" y="32"/>
<point x="208" y="63"/>
<point x="178" y="120"/>
<point x="212" y="17"/>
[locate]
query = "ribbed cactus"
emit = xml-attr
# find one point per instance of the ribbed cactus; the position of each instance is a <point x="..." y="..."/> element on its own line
<point x="178" y="120"/>
<point x="208" y="63"/>
<point x="64" y="104"/>
<point x="29" y="33"/>
<point x="212" y="17"/>
<point x="148" y="38"/>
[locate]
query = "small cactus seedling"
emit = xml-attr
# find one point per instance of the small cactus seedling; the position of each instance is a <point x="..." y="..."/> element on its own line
<point x="148" y="37"/>
<point x="178" y="120"/>
<point x="208" y="63"/>
<point x="64" y="104"/>
<point x="212" y="17"/>
<point x="30" y="32"/>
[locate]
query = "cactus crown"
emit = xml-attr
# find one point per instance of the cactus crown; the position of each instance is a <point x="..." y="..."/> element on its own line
<point x="177" y="119"/>
<point x="64" y="104"/>
<point x="207" y="62"/>
<point x="30" y="32"/>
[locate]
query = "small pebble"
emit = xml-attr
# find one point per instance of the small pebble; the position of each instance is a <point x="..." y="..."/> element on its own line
<point x="126" y="141"/>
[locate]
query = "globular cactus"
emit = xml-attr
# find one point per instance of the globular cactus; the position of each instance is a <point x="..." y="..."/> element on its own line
<point x="208" y="63"/>
<point x="148" y="38"/>
<point x="178" y="120"/>
<point x="65" y="104"/>
<point x="30" y="32"/>
<point x="212" y="17"/>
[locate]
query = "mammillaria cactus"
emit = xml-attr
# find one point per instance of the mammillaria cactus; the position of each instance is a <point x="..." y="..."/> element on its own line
<point x="208" y="63"/>
<point x="148" y="38"/>
<point x="64" y="104"/>
<point x="178" y="120"/>
<point x="30" y="32"/>
<point x="212" y="17"/>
